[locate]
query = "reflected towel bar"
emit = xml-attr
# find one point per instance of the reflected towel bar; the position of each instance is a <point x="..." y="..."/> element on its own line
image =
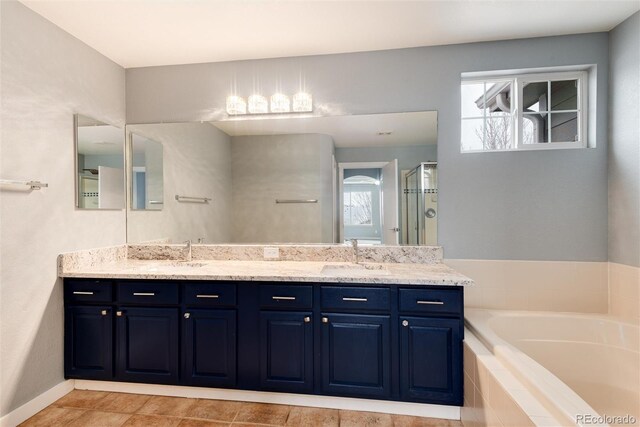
<point x="35" y="185"/>
<point x="297" y="201"/>
<point x="193" y="199"/>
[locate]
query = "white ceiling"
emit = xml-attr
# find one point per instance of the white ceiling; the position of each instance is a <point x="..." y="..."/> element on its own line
<point x="138" y="33"/>
<point x="416" y="128"/>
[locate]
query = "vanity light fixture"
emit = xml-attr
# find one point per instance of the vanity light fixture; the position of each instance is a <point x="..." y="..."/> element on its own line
<point x="258" y="104"/>
<point x="280" y="103"/>
<point x="302" y="102"/>
<point x="236" y="105"/>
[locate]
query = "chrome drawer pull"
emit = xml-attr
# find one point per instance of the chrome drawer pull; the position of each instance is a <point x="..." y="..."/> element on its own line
<point x="82" y="293"/>
<point x="207" y="296"/>
<point x="277" y="298"/>
<point x="430" y="302"/>
<point x="354" y="299"/>
<point x="144" y="294"/>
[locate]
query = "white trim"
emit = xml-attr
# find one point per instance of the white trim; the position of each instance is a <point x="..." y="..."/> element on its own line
<point x="383" y="406"/>
<point x="37" y="404"/>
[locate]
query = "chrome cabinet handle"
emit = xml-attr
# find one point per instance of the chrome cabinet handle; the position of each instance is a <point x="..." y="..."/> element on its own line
<point x="307" y="319"/>
<point x="207" y="296"/>
<point x="144" y="294"/>
<point x="354" y="299"/>
<point x="104" y="312"/>
<point x="405" y="323"/>
<point x="429" y="302"/>
<point x="187" y="315"/>
<point x="325" y="320"/>
<point x="277" y="298"/>
<point x="82" y="292"/>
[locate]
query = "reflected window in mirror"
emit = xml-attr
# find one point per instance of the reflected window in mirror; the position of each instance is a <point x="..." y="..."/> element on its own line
<point x="147" y="181"/>
<point x="100" y="178"/>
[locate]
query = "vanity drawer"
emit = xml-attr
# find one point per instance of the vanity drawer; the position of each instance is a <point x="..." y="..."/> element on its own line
<point x="210" y="294"/>
<point x="155" y="292"/>
<point x="355" y="298"/>
<point x="286" y="296"/>
<point x="88" y="290"/>
<point x="430" y="300"/>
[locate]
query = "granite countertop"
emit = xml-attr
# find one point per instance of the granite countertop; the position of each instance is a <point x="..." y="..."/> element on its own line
<point x="281" y="271"/>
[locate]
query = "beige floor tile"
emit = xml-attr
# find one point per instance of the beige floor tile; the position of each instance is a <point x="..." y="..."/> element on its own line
<point x="53" y="416"/>
<point x="201" y="423"/>
<point x="139" y="420"/>
<point x="82" y="399"/>
<point x="217" y="410"/>
<point x="164" y="405"/>
<point x="364" y="419"/>
<point x="122" y="402"/>
<point x="408" y="421"/>
<point x="100" y="419"/>
<point x="263" y="413"/>
<point x="301" y="416"/>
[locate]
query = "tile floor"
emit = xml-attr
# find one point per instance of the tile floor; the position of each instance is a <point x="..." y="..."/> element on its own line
<point x="104" y="409"/>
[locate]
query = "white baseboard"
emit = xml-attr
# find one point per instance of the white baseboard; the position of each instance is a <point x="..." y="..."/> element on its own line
<point x="32" y="407"/>
<point x="384" y="406"/>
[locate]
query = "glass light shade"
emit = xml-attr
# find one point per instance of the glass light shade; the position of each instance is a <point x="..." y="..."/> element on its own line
<point x="302" y="102"/>
<point x="236" y="105"/>
<point x="258" y="104"/>
<point x="280" y="103"/>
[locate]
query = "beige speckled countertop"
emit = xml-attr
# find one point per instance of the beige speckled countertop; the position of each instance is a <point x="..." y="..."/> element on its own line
<point x="284" y="271"/>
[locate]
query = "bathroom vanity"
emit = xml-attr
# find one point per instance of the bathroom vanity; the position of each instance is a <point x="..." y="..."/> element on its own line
<point x="369" y="335"/>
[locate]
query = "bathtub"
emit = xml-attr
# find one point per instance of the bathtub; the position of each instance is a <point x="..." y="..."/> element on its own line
<point x="576" y="365"/>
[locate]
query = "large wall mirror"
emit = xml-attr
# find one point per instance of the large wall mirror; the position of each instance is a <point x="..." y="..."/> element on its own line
<point x="289" y="180"/>
<point x="100" y="177"/>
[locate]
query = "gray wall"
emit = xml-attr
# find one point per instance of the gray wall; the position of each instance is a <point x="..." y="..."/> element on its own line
<point x="537" y="205"/>
<point x="624" y="142"/>
<point x="270" y="167"/>
<point x="47" y="76"/>
<point x="408" y="157"/>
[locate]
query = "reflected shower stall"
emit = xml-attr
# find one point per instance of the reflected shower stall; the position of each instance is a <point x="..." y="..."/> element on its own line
<point x="421" y="201"/>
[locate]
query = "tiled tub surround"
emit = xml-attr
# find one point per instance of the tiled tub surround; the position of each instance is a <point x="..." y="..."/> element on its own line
<point x="571" y="363"/>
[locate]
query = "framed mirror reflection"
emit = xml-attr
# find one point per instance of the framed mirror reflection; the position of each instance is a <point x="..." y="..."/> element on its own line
<point x="291" y="179"/>
<point x="99" y="160"/>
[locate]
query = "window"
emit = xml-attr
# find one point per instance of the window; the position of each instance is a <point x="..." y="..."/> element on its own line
<point x="358" y="208"/>
<point x="524" y="112"/>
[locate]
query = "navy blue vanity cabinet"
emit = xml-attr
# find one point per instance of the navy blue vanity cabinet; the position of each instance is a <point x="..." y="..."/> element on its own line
<point x="88" y="342"/>
<point x="356" y="355"/>
<point x="209" y="347"/>
<point x="286" y="351"/>
<point x="430" y="360"/>
<point x="286" y="337"/>
<point x="431" y="333"/>
<point x="147" y="345"/>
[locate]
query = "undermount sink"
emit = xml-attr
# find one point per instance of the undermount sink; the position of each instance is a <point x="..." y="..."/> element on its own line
<point x="354" y="269"/>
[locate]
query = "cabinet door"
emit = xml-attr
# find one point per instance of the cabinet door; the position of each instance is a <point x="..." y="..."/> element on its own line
<point x="286" y="351"/>
<point x="147" y="345"/>
<point x="356" y="355"/>
<point x="210" y="347"/>
<point x="88" y="343"/>
<point x="431" y="360"/>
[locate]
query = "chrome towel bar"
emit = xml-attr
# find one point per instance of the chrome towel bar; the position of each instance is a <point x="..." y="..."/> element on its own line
<point x="35" y="185"/>
<point x="191" y="199"/>
<point x="296" y="201"/>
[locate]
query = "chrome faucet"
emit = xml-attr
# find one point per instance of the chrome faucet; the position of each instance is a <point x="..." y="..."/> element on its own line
<point x="354" y="243"/>
<point x="188" y="247"/>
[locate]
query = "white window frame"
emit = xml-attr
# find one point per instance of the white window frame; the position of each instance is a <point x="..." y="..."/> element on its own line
<point x="517" y="81"/>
